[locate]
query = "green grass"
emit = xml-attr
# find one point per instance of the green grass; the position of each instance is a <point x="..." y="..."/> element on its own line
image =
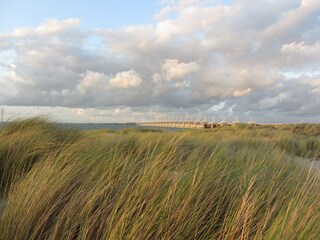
<point x="228" y="183"/>
<point x="24" y="143"/>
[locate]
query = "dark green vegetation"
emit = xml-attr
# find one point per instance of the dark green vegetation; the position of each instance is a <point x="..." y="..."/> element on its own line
<point x="228" y="183"/>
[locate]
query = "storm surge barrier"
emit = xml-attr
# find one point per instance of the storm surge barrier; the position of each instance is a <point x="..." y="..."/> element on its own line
<point x="186" y="124"/>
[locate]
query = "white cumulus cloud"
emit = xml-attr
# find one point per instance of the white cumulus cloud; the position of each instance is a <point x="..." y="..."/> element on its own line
<point x="242" y="93"/>
<point x="92" y="80"/>
<point x="172" y="69"/>
<point x="126" y="79"/>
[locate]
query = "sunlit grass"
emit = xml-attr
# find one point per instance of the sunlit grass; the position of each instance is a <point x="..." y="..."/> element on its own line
<point x="227" y="184"/>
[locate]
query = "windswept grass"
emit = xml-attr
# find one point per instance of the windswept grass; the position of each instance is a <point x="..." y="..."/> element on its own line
<point x="231" y="184"/>
<point x="24" y="143"/>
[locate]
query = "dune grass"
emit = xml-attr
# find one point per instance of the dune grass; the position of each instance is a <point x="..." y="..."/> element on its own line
<point x="227" y="184"/>
<point x="24" y="143"/>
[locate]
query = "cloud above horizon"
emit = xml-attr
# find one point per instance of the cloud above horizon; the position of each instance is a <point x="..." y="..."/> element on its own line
<point x="260" y="58"/>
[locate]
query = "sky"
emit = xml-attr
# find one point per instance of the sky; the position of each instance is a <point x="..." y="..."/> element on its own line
<point x="131" y="61"/>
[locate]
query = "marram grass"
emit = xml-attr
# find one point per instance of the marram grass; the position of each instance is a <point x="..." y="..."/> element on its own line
<point x="24" y="143"/>
<point x="232" y="184"/>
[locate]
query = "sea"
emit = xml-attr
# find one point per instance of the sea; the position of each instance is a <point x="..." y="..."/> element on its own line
<point x="97" y="126"/>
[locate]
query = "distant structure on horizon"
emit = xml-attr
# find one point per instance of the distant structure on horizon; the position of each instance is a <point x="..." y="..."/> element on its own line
<point x="193" y="124"/>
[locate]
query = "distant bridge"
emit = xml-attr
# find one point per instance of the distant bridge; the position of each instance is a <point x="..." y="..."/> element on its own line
<point x="186" y="124"/>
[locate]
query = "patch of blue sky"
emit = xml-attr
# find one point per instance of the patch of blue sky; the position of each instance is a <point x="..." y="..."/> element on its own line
<point x="298" y="74"/>
<point x="200" y="35"/>
<point x="94" y="43"/>
<point x="228" y="2"/>
<point x="291" y="75"/>
<point x="93" y="14"/>
<point x="7" y="58"/>
<point x="217" y="107"/>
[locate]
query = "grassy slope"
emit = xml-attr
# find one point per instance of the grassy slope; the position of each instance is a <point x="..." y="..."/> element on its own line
<point x="217" y="184"/>
<point x="24" y="143"/>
